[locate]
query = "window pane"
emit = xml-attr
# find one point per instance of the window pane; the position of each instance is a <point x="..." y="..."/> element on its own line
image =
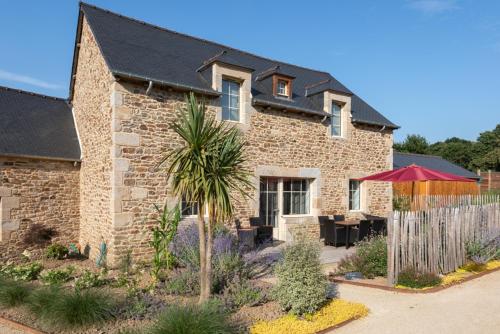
<point x="234" y="114"/>
<point x="234" y="88"/>
<point x="336" y="130"/>
<point x="296" y="185"/>
<point x="286" y="204"/>
<point x="189" y="208"/>
<point x="234" y="101"/>
<point x="287" y="185"/>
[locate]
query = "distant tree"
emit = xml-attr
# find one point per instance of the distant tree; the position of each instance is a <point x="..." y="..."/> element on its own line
<point x="456" y="150"/>
<point x="413" y="144"/>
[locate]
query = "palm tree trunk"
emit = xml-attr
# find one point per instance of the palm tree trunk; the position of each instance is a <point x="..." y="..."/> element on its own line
<point x="210" y="243"/>
<point x="203" y="254"/>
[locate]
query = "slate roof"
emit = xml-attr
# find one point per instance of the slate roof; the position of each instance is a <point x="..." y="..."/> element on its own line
<point x="138" y="50"/>
<point x="432" y="162"/>
<point x="33" y="125"/>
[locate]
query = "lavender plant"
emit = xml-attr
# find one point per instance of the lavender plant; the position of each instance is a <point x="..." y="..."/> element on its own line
<point x="484" y="248"/>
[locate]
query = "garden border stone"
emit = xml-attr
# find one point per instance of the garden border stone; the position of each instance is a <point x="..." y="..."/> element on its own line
<point x="410" y="291"/>
<point x="18" y="326"/>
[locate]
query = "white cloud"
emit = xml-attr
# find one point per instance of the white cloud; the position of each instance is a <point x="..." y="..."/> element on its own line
<point x="431" y="7"/>
<point x="9" y="76"/>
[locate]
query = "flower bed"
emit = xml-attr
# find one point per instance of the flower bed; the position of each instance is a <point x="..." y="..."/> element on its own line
<point x="459" y="275"/>
<point x="336" y="312"/>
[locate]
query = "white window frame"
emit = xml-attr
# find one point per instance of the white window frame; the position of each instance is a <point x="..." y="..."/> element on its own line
<point x="351" y="197"/>
<point x="230" y="80"/>
<point x="335" y="115"/>
<point x="285" y="87"/>
<point x="308" y="194"/>
<point x="191" y="216"/>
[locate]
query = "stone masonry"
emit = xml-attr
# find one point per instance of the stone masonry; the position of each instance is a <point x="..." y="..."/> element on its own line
<point x="37" y="192"/>
<point x="92" y="109"/>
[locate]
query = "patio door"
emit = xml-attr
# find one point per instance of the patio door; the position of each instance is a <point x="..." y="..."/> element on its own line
<point x="269" y="204"/>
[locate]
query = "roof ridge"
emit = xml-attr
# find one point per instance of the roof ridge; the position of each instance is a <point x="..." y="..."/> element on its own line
<point x="422" y="154"/>
<point x="199" y="38"/>
<point x="33" y="93"/>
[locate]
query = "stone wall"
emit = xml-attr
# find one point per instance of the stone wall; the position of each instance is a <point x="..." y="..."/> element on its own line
<point x="92" y="110"/>
<point x="37" y="192"/>
<point x="283" y="140"/>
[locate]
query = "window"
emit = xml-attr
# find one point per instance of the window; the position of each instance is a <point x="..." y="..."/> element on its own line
<point x="269" y="201"/>
<point x="230" y="100"/>
<point x="295" y="197"/>
<point x="189" y="208"/>
<point x="282" y="88"/>
<point x="354" y="195"/>
<point x="336" y="120"/>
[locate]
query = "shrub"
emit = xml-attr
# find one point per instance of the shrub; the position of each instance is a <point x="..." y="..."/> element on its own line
<point x="412" y="278"/>
<point x="56" y="251"/>
<point x="90" y="279"/>
<point x="57" y="276"/>
<point x="208" y="318"/>
<point x="370" y="258"/>
<point x="72" y="309"/>
<point x="38" y="235"/>
<point x="162" y="235"/>
<point x="183" y="282"/>
<point x="240" y="293"/>
<point x="484" y="249"/>
<point x="302" y="287"/>
<point x="13" y="293"/>
<point x="27" y="272"/>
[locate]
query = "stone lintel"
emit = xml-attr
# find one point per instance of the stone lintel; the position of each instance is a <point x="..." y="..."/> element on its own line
<point x="126" y="139"/>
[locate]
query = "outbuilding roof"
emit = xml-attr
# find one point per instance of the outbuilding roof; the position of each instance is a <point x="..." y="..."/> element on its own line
<point x="38" y="126"/>
<point x="432" y="162"/>
<point x="138" y="50"/>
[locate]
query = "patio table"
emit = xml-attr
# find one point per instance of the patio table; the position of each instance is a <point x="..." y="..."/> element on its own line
<point x="348" y="225"/>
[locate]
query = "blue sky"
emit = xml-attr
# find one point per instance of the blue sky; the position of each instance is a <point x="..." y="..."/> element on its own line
<point x="431" y="66"/>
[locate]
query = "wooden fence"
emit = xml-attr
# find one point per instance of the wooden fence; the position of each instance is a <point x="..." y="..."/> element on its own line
<point x="434" y="240"/>
<point x="424" y="202"/>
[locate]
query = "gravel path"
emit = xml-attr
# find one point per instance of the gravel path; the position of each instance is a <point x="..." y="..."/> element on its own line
<point x="7" y="330"/>
<point x="472" y="307"/>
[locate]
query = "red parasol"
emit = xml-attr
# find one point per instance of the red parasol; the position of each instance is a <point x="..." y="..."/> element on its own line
<point x="413" y="173"/>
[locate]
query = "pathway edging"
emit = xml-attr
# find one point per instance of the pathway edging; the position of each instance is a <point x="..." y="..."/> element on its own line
<point x="18" y="326"/>
<point x="412" y="291"/>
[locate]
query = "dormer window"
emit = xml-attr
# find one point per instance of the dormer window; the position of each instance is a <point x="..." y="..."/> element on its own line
<point x="230" y="100"/>
<point x="336" y="119"/>
<point x="282" y="86"/>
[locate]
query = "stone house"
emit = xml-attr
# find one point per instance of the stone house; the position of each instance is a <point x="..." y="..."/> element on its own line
<point x="87" y="165"/>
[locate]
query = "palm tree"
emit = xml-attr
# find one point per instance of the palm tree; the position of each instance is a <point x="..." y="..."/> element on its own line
<point x="208" y="170"/>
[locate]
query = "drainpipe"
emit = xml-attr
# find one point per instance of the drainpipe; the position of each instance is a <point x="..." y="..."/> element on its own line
<point x="150" y="87"/>
<point x="382" y="129"/>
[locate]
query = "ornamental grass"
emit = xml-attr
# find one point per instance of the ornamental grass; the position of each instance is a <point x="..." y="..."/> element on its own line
<point x="333" y="313"/>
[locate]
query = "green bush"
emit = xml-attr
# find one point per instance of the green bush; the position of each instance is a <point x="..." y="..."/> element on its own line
<point x="240" y="293"/>
<point x="208" y="318"/>
<point x="370" y="258"/>
<point x="183" y="282"/>
<point x="302" y="287"/>
<point x="415" y="279"/>
<point x="56" y="251"/>
<point x="57" y="276"/>
<point x="13" y="293"/>
<point x="27" y="272"/>
<point x="63" y="309"/>
<point x="90" y="279"/>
